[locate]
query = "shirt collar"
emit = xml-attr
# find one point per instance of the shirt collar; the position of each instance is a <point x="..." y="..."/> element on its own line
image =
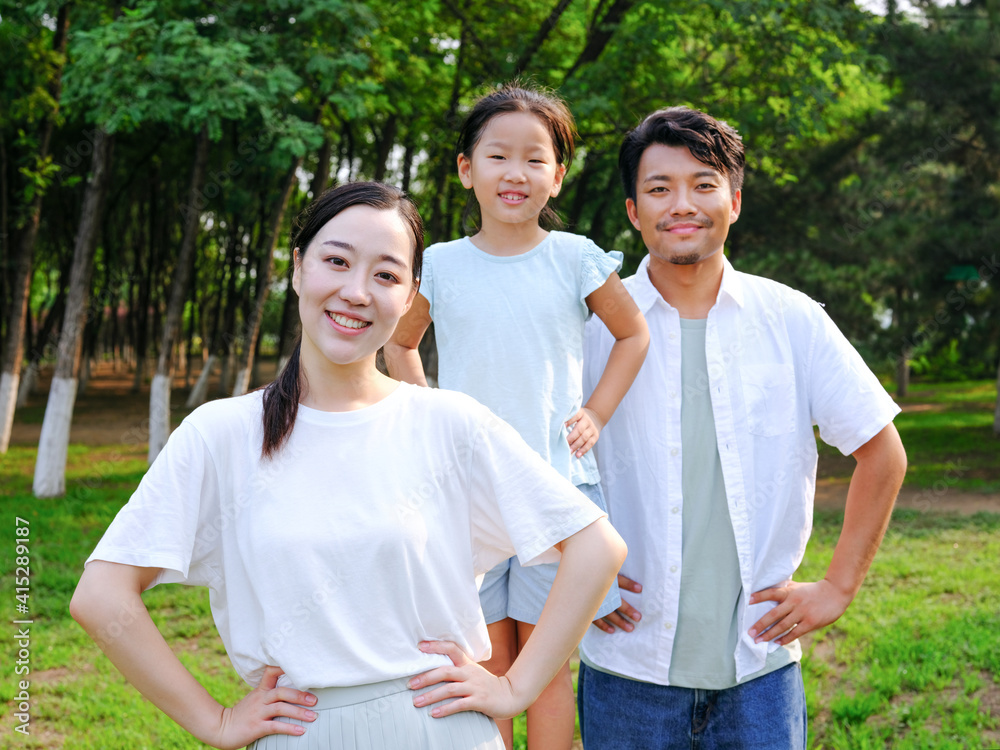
<point x="646" y="295"/>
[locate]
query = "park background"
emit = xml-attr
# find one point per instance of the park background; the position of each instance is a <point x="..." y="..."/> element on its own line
<point x="153" y="155"/>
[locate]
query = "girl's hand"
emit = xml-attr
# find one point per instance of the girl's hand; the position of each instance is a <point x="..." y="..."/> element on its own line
<point x="586" y="428"/>
<point x="468" y="683"/>
<point x="254" y="716"/>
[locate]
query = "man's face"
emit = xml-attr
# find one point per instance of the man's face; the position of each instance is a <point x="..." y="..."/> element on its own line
<point x="683" y="207"/>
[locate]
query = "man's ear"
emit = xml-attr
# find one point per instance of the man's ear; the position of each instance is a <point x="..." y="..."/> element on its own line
<point x="633" y="214"/>
<point x="296" y="270"/>
<point x="465" y="171"/>
<point x="734" y="212"/>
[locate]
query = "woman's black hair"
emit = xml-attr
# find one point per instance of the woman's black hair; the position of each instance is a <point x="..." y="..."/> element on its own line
<point x="281" y="398"/>
<point x="511" y="97"/>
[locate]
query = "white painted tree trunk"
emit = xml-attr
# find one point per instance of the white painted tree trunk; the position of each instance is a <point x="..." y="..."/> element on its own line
<point x="282" y="361"/>
<point x="50" y="468"/>
<point x="200" y="390"/>
<point x="242" y="383"/>
<point x="8" y="402"/>
<point x="159" y="415"/>
<point x="27" y="385"/>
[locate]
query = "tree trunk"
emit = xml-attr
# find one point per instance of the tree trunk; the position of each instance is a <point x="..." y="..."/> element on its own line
<point x="13" y="350"/>
<point x="543" y="31"/>
<point x="229" y="316"/>
<point x="43" y="341"/>
<point x="146" y="281"/>
<point x="446" y="163"/>
<point x="50" y="468"/>
<point x="198" y="393"/>
<point x="383" y="144"/>
<point x="600" y="34"/>
<point x="251" y="325"/>
<point x="159" y="394"/>
<point x="322" y="176"/>
<point x="903" y="372"/>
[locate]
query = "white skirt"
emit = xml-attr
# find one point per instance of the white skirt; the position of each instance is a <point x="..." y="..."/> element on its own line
<point x="381" y="716"/>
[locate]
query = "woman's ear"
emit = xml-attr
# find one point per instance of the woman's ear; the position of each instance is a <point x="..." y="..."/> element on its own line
<point x="296" y="269"/>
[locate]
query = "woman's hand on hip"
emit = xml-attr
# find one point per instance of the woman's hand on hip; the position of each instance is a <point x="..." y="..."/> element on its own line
<point x="466" y="684"/>
<point x="255" y="716"/>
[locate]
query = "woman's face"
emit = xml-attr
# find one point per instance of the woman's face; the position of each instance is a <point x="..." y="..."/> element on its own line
<point x="354" y="281"/>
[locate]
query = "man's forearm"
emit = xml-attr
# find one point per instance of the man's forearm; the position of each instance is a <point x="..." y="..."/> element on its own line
<point x="870" y="499"/>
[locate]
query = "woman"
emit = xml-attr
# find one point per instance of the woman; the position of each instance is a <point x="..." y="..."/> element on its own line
<point x="340" y="520"/>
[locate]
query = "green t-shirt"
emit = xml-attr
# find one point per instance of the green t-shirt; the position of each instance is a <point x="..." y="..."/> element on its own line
<point x="705" y="643"/>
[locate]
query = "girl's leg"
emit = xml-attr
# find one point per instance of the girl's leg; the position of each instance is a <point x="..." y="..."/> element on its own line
<point x="503" y="639"/>
<point x="550" y="718"/>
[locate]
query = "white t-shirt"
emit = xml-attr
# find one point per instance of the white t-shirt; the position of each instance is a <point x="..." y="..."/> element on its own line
<point x="367" y="533"/>
<point x="509" y="332"/>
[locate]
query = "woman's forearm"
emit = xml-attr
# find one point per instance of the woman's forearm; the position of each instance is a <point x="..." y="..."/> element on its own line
<point x="590" y="561"/>
<point x="108" y="604"/>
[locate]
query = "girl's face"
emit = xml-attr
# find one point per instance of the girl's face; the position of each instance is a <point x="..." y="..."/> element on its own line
<point x="513" y="169"/>
<point x="354" y="281"/>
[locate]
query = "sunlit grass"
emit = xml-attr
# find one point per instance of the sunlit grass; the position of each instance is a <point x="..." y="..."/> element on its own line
<point x="915" y="662"/>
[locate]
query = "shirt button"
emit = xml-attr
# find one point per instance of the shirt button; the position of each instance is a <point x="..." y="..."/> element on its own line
<point x="675" y="509"/>
<point x="673" y="394"/>
<point x="668" y="625"/>
<point x="674" y="451"/>
<point x="673" y="568"/>
<point x="672" y="336"/>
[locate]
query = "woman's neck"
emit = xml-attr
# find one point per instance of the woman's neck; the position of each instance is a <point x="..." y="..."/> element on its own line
<point x="331" y="387"/>
<point x="498" y="238"/>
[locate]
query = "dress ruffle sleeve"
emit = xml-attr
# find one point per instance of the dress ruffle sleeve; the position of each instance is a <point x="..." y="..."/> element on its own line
<point x="597" y="266"/>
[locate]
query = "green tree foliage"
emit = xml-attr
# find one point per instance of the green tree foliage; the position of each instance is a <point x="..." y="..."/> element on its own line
<point x="872" y="144"/>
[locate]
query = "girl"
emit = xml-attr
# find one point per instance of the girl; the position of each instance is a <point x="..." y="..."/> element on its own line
<point x="339" y="519"/>
<point x="509" y="306"/>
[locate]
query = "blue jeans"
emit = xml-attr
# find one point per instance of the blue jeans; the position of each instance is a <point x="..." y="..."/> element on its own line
<point x="621" y="714"/>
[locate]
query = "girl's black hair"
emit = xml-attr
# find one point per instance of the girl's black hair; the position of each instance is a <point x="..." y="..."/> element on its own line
<point x="281" y="398"/>
<point x="519" y="97"/>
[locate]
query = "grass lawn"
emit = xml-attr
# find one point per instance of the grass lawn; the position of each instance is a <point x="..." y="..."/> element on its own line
<point x="947" y="429"/>
<point x="915" y="662"/>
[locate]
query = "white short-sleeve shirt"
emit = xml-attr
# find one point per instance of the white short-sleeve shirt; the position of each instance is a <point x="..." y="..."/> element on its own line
<point x="777" y="365"/>
<point x="363" y="536"/>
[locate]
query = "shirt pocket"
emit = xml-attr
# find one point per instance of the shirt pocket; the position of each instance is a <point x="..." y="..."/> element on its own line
<point x="769" y="394"/>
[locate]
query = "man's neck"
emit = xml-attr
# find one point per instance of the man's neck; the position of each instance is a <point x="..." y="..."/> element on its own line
<point x="690" y="289"/>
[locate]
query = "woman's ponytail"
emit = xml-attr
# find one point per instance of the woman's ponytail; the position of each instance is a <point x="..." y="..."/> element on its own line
<point x="281" y="404"/>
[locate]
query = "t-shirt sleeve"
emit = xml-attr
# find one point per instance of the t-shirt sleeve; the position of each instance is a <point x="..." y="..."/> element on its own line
<point x="597" y="266"/>
<point x="172" y="521"/>
<point x="847" y="401"/>
<point x="520" y="504"/>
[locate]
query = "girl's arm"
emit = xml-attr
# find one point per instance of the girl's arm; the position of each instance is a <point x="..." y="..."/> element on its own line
<point x="108" y="604"/>
<point x="590" y="560"/>
<point x="617" y="310"/>
<point x="401" y="356"/>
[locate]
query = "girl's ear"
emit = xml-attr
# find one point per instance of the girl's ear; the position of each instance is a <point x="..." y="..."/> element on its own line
<point x="296" y="269"/>
<point x="465" y="171"/>
<point x="557" y="185"/>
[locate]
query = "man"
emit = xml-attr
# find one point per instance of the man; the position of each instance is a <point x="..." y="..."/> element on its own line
<point x="709" y="467"/>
